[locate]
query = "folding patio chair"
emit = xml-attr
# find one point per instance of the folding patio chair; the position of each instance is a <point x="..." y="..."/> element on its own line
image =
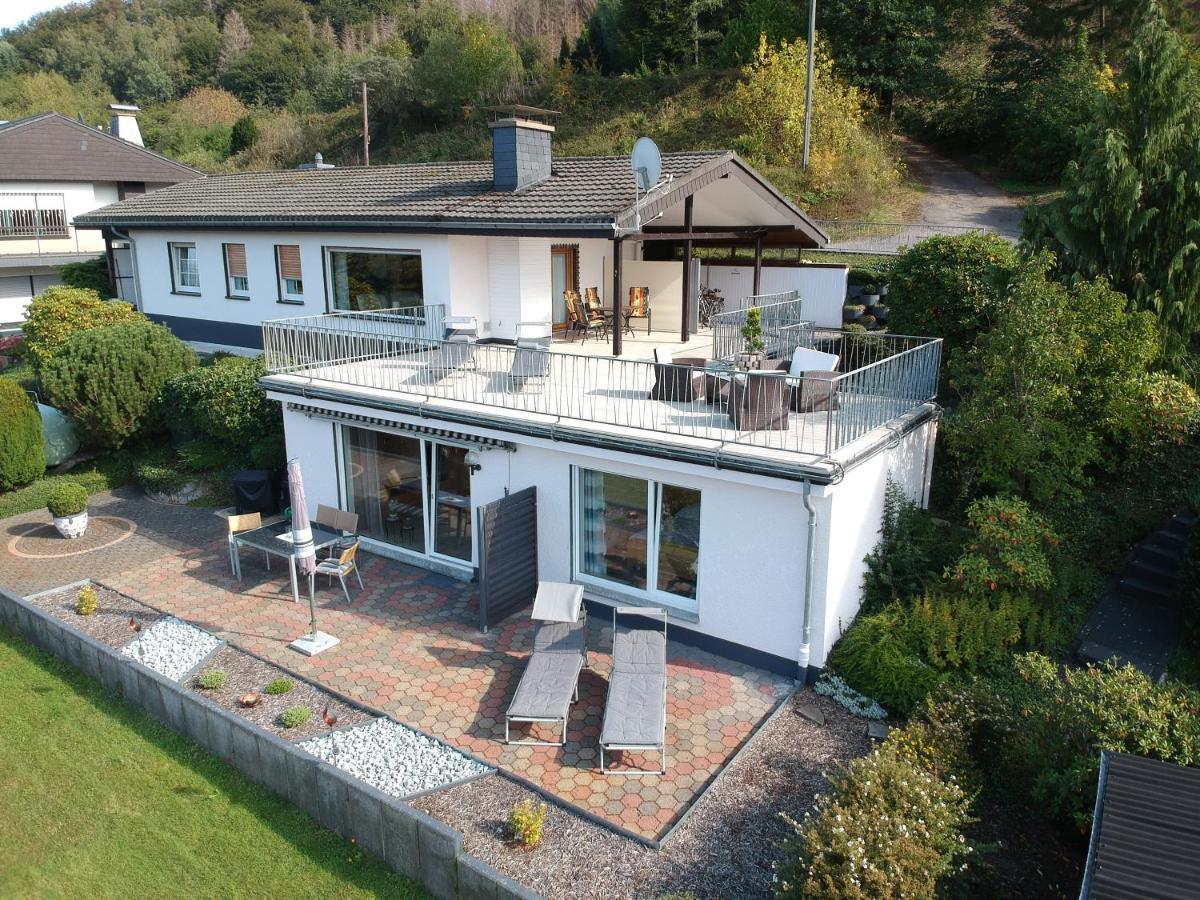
<point x="457" y="349"/>
<point x="550" y="682"/>
<point x="635" y="712"/>
<point x="532" y="359"/>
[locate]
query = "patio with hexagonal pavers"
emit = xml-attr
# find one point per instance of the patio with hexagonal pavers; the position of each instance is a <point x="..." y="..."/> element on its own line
<point x="410" y="644"/>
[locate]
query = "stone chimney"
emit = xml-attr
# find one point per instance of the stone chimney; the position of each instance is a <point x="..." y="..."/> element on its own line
<point x="123" y="122"/>
<point x="521" y="146"/>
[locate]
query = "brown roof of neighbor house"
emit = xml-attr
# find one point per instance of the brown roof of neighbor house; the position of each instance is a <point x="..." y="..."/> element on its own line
<point x="582" y="195"/>
<point x="52" y="147"/>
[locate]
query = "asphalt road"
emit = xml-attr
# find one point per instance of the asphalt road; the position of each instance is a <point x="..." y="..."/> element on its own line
<point x="956" y="196"/>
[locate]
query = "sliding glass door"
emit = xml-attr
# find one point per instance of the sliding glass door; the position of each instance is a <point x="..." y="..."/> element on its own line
<point x="409" y="492"/>
<point x="638" y="536"/>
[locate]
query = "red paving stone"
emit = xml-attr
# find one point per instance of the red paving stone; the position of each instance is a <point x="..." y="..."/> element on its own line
<point x="410" y="644"/>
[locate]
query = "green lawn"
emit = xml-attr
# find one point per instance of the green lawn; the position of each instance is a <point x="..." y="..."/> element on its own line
<point x="99" y="801"/>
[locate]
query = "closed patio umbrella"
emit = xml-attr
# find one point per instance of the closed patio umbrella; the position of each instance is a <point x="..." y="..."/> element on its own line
<point x="306" y="561"/>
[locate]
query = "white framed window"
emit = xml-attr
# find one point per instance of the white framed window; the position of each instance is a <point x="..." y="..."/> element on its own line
<point x="637" y="536"/>
<point x="185" y="269"/>
<point x="291" y="275"/>
<point x="237" y="275"/>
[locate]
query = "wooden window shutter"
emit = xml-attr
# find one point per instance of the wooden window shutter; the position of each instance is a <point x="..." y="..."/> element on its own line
<point x="235" y="259"/>
<point x="289" y="260"/>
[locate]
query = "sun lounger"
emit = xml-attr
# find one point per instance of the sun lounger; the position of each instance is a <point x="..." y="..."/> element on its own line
<point x="550" y="682"/>
<point x="635" y="713"/>
<point x="457" y="349"/>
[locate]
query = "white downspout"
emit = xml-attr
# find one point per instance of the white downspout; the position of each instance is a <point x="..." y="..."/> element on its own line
<point x="809" y="558"/>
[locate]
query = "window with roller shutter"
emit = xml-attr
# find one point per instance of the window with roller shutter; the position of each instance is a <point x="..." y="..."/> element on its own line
<point x="291" y="277"/>
<point x="236" y="274"/>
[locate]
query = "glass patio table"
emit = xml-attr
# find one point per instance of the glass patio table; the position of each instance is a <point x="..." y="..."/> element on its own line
<point x="276" y="539"/>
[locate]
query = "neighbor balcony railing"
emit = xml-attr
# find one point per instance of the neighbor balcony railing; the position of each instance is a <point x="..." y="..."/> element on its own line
<point x="385" y="351"/>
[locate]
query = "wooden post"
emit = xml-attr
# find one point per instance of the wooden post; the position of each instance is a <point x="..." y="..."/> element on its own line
<point x="757" y="264"/>
<point x="616" y="294"/>
<point x="688" y="289"/>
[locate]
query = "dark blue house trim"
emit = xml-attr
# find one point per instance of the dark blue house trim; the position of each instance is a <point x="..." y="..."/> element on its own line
<point x="208" y="332"/>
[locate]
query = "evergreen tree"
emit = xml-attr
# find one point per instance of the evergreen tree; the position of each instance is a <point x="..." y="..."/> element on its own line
<point x="1130" y="209"/>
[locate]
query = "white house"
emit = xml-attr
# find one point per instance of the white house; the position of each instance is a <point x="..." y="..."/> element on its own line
<point x="53" y="170"/>
<point x="742" y="501"/>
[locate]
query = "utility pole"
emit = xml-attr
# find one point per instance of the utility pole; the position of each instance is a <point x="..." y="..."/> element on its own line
<point x="367" y="132"/>
<point x="808" y="82"/>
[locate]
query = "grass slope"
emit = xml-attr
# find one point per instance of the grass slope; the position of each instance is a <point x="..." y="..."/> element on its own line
<point x="101" y="801"/>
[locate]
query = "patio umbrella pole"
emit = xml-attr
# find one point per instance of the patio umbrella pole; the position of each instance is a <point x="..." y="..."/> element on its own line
<point x="306" y="563"/>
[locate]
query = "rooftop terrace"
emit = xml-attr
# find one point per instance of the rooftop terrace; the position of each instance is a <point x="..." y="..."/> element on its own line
<point x="396" y="360"/>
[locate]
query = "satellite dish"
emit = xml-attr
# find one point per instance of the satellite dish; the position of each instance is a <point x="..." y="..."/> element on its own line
<point x="647" y="163"/>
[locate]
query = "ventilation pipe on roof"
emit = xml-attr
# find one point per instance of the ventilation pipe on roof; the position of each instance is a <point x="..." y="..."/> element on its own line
<point x="318" y="162"/>
<point x="123" y="122"/>
<point x="521" y="146"/>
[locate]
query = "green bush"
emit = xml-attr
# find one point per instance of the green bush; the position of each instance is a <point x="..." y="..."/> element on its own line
<point x="59" y="312"/>
<point x="66" y="499"/>
<point x="222" y="405"/>
<point x="295" y="716"/>
<point x="91" y="275"/>
<point x="160" y="478"/>
<point x="22" y="450"/>
<point x="108" y="379"/>
<point x="947" y="286"/>
<point x="876" y="657"/>
<point x="280" y="686"/>
<point x="212" y="680"/>
<point x="244" y="134"/>
<point x="525" y="822"/>
<point x="887" y="828"/>
<point x="86" y="601"/>
<point x="913" y="550"/>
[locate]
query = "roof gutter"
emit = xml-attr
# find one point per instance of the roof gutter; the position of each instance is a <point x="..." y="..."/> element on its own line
<point x="530" y="228"/>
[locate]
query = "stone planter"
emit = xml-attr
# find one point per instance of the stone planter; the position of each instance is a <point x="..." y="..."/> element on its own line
<point x="72" y="527"/>
<point x="749" y="361"/>
<point x="852" y="311"/>
<point x="883" y="290"/>
<point x="870" y="299"/>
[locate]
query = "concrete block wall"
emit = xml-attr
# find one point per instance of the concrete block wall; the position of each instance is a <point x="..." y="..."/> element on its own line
<point x="406" y="839"/>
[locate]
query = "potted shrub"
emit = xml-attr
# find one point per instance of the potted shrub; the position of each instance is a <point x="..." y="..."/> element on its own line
<point x="870" y="294"/>
<point x="752" y="339"/>
<point x="68" y="505"/>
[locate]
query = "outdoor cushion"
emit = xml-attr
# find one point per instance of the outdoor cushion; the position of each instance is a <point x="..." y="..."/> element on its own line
<point x="560" y="637"/>
<point x="635" y="712"/>
<point x="557" y="601"/>
<point x="664" y="355"/>
<point x="640" y="651"/>
<point x="547" y="686"/>
<point x="805" y="359"/>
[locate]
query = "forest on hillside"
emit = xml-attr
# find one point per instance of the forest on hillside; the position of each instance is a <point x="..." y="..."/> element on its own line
<point x="251" y="84"/>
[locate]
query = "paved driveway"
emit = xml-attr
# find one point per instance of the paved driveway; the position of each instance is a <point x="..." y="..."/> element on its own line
<point x="957" y="196"/>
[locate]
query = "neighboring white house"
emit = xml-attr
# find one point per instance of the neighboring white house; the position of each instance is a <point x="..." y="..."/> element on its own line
<point x="54" y="169"/>
<point x="743" y="503"/>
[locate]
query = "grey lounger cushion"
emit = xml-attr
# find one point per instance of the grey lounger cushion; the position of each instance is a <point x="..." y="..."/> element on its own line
<point x="640" y="651"/>
<point x="635" y="712"/>
<point x="547" y="686"/>
<point x="560" y="637"/>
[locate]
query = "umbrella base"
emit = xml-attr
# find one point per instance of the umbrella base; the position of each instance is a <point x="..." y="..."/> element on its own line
<point x="311" y="644"/>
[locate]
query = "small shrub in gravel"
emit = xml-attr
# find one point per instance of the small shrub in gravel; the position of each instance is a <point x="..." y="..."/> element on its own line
<point x="85" y="603"/>
<point x="280" y="686"/>
<point x="295" y="716"/>
<point x="525" y="821"/>
<point x="212" y="680"/>
<point x="835" y="688"/>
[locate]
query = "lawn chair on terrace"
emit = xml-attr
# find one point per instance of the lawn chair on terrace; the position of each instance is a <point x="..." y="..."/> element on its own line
<point x="532" y="359"/>
<point x="635" y="713"/>
<point x="550" y="682"/>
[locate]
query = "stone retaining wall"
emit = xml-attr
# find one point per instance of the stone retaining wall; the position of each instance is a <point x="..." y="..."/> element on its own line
<point x="407" y="839"/>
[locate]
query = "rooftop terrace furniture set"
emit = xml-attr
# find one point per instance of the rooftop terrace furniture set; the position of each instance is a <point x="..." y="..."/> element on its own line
<point x="587" y="316"/>
<point x="635" y="713"/>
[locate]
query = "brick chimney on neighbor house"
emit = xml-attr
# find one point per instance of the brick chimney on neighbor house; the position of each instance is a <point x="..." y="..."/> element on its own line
<point x="521" y="146"/>
<point x="123" y="122"/>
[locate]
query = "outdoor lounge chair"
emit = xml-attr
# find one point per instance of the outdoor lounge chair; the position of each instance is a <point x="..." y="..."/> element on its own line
<point x="550" y="682"/>
<point x="457" y="349"/>
<point x="677" y="378"/>
<point x="635" y="713"/>
<point x="812" y="376"/>
<point x="532" y="359"/>
<point x="759" y="401"/>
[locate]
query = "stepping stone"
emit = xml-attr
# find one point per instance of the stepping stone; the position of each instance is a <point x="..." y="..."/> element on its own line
<point x="812" y="712"/>
<point x="878" y="731"/>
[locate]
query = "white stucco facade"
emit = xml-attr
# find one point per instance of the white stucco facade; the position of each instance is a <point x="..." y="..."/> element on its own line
<point x="750" y="594"/>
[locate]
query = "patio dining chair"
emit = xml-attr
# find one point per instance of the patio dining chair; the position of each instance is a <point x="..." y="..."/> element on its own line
<point x="235" y="525"/>
<point x="639" y="307"/>
<point x="677" y="378"/>
<point x="591" y="300"/>
<point x="585" y="321"/>
<point x="341" y="567"/>
<point x="759" y="402"/>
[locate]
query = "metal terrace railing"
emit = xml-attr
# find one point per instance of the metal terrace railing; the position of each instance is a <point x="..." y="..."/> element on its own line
<point x="782" y="326"/>
<point x="386" y="352"/>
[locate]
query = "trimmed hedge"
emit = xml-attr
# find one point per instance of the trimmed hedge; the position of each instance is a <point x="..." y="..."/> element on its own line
<point x="22" y="451"/>
<point x="108" y="379"/>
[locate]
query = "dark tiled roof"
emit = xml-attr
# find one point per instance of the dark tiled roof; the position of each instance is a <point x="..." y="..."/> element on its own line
<point x="52" y="147"/>
<point x="580" y="191"/>
<point x="1146" y="834"/>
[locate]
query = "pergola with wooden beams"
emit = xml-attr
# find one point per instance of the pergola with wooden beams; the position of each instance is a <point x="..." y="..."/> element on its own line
<point x="723" y="203"/>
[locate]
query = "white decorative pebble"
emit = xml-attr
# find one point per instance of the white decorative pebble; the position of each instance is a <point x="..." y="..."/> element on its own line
<point x="171" y="647"/>
<point x="392" y="758"/>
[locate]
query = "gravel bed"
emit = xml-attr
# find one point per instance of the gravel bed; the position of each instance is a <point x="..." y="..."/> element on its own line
<point x="725" y="848"/>
<point x="248" y="674"/>
<point x="392" y="758"/>
<point x="110" y="624"/>
<point x="171" y="647"/>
